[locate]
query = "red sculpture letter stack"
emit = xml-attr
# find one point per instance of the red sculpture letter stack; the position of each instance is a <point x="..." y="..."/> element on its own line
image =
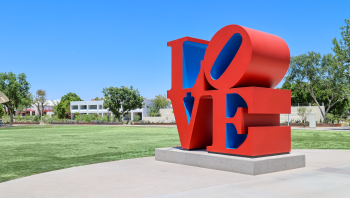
<point x="222" y="92"/>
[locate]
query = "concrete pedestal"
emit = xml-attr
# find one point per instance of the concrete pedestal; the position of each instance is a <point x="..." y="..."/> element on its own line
<point x="244" y="165"/>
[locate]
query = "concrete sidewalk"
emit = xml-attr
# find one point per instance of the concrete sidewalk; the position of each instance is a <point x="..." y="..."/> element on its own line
<point x="327" y="174"/>
<point x="342" y="129"/>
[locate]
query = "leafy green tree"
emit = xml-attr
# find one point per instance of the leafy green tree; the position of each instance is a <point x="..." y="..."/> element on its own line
<point x="340" y="109"/>
<point x="311" y="70"/>
<point x="40" y="100"/>
<point x="341" y="48"/>
<point x="71" y="97"/>
<point x="97" y="98"/>
<point x="66" y="99"/>
<point x="154" y="112"/>
<point x="121" y="101"/>
<point x="298" y="95"/>
<point x="16" y="88"/>
<point x="61" y="110"/>
<point x="26" y="103"/>
<point x="2" y="112"/>
<point x="159" y="102"/>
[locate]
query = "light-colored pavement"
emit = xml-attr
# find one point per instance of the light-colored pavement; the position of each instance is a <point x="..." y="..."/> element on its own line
<point x="327" y="174"/>
<point x="2" y="126"/>
<point x="343" y="129"/>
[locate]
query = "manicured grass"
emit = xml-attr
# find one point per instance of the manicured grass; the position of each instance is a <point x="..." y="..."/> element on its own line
<point x="29" y="150"/>
<point x="310" y="139"/>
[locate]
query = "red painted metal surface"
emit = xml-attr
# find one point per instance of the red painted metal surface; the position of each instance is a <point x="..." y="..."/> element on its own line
<point x="232" y="107"/>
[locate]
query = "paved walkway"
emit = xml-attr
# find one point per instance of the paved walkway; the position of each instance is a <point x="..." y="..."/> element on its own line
<point x="327" y="174"/>
<point x="344" y="129"/>
<point x="4" y="126"/>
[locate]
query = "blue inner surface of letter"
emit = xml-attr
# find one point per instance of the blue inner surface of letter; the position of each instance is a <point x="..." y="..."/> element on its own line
<point x="193" y="54"/>
<point x="226" y="56"/>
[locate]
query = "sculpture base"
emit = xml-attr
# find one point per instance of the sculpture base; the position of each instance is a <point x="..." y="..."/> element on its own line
<point x="243" y="165"/>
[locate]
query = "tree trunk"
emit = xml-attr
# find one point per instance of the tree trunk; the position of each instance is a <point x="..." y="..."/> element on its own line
<point x="324" y="114"/>
<point x="11" y="116"/>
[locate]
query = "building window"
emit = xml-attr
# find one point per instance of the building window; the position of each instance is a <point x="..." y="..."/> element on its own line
<point x="92" y="106"/>
<point x="82" y="106"/>
<point x="75" y="107"/>
<point x="100" y="106"/>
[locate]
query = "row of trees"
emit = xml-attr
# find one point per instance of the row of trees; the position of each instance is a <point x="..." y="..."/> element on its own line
<point x="323" y="78"/>
<point x="16" y="88"/>
<point x="339" y="109"/>
<point x="119" y="101"/>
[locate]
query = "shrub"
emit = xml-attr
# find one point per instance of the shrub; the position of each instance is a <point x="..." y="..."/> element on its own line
<point x="87" y="118"/>
<point x="112" y="118"/>
<point x="93" y="116"/>
<point x="36" y="118"/>
<point x="330" y="118"/>
<point x="76" y="115"/>
<point x="61" y="111"/>
<point x="28" y="118"/>
<point x="6" y="118"/>
<point x="136" y="118"/>
<point x="104" y="119"/>
<point x="155" y="114"/>
<point x="18" y="118"/>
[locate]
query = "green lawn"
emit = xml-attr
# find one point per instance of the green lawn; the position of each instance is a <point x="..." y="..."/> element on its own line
<point x="310" y="139"/>
<point x="29" y="150"/>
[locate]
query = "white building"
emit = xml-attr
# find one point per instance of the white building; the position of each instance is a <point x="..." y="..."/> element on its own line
<point x="48" y="108"/>
<point x="96" y="107"/>
<point x="88" y="107"/>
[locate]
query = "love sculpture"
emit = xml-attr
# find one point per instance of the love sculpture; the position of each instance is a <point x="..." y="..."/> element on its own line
<point x="223" y="92"/>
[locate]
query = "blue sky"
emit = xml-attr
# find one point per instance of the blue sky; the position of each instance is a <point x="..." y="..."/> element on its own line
<point x="84" y="46"/>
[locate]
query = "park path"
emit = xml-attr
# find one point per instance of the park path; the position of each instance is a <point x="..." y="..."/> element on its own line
<point x="327" y="174"/>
